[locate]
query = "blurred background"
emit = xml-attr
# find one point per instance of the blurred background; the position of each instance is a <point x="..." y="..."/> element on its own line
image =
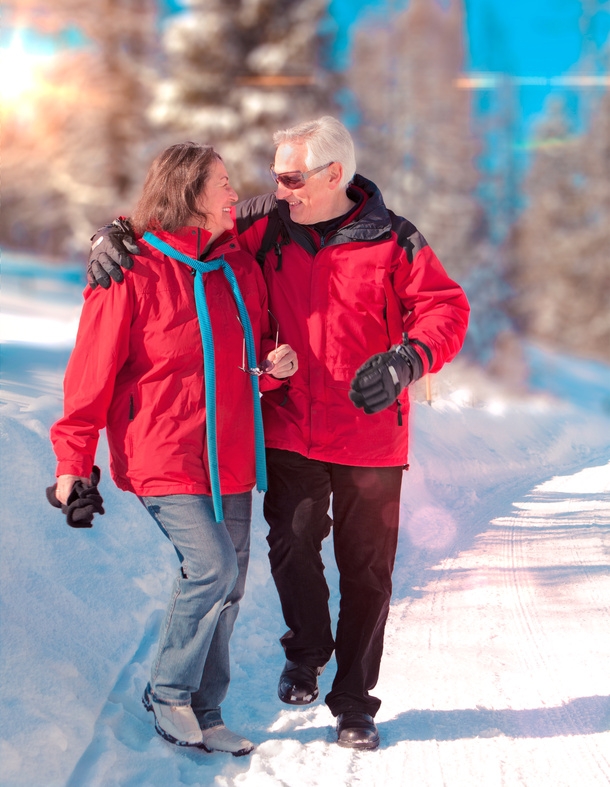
<point x="486" y="123"/>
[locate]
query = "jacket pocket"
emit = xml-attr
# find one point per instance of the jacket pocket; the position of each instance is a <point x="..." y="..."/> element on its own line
<point x="131" y="414"/>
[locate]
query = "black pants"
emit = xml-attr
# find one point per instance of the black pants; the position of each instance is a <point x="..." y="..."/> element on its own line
<point x="365" y="509"/>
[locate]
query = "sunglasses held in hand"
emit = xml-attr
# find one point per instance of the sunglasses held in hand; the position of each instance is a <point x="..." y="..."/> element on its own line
<point x="295" y="180"/>
<point x="266" y="366"/>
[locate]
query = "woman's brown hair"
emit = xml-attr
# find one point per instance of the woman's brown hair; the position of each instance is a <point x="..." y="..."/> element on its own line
<point x="172" y="187"/>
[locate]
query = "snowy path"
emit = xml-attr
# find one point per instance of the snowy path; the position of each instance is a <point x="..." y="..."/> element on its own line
<point x="497" y="661"/>
<point x="518" y="636"/>
<point x="494" y="672"/>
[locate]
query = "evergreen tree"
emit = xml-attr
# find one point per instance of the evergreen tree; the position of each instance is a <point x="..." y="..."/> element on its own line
<point x="415" y="137"/>
<point x="237" y="70"/>
<point x="416" y="142"/>
<point x="561" y="245"/>
<point x="74" y="155"/>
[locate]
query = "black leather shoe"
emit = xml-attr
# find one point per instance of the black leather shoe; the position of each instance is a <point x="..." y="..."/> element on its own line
<point x="299" y="683"/>
<point x="356" y="730"/>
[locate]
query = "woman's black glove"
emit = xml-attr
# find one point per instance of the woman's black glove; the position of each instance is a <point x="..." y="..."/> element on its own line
<point x="83" y="503"/>
<point x="379" y="381"/>
<point x="110" y="249"/>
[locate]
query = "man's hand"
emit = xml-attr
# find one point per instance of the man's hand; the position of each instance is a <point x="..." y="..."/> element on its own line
<point x="281" y="362"/>
<point x="379" y="381"/>
<point x="110" y="249"/>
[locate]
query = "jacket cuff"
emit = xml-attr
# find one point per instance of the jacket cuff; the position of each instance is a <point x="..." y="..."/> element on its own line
<point x="81" y="467"/>
<point x="424" y="352"/>
<point x="267" y="382"/>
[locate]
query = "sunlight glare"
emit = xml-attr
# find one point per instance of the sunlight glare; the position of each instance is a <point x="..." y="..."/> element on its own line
<point x="19" y="72"/>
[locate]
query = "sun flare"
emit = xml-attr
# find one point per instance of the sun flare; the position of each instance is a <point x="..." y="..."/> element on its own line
<point x="20" y="73"/>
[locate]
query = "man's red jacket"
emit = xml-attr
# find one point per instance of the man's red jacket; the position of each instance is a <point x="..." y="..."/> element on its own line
<point x="339" y="300"/>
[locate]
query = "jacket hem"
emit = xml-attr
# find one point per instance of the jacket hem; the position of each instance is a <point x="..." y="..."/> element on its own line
<point x="355" y="460"/>
<point x="162" y="490"/>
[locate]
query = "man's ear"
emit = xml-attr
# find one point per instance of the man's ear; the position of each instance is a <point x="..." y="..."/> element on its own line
<point x="335" y="171"/>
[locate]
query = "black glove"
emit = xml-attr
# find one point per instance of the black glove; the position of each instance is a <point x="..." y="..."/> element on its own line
<point x="379" y="381"/>
<point x="110" y="250"/>
<point x="84" y="501"/>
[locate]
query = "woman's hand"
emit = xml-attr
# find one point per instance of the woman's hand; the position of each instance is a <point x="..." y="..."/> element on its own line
<point x="284" y="360"/>
<point x="65" y="484"/>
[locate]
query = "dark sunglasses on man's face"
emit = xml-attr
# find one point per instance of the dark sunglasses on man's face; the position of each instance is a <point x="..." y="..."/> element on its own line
<point x="295" y="180"/>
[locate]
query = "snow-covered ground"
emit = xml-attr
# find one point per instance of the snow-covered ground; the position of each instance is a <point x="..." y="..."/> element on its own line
<point x="497" y="660"/>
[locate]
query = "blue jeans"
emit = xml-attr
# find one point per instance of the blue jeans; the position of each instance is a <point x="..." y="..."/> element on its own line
<point x="192" y="663"/>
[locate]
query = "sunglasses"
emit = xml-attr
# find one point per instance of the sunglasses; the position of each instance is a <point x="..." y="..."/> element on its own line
<point x="295" y="180"/>
<point x="266" y="366"/>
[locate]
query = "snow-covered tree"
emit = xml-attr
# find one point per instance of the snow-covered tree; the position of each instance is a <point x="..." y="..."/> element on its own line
<point x="76" y="147"/>
<point x="416" y="141"/>
<point x="561" y="245"/>
<point x="237" y="70"/>
<point x="415" y="126"/>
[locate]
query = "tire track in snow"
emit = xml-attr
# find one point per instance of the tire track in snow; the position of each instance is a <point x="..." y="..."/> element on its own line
<point x="525" y="541"/>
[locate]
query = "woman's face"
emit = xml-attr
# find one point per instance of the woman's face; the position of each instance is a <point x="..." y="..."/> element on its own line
<point x="216" y="199"/>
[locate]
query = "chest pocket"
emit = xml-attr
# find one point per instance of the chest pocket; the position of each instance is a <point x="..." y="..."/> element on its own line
<point x="356" y="320"/>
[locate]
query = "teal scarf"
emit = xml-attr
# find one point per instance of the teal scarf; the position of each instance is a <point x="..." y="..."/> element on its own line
<point x="207" y="341"/>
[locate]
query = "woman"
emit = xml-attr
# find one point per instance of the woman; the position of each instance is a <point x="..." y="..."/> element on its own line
<point x="166" y="361"/>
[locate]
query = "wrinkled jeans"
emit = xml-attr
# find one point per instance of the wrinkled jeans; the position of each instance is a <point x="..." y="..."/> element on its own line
<point x="192" y="662"/>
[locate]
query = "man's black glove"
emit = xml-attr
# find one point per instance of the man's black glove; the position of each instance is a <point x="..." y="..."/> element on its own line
<point x="110" y="249"/>
<point x="379" y="381"/>
<point x="83" y="503"/>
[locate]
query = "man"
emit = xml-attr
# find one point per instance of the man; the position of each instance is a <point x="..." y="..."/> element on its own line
<point x="361" y="297"/>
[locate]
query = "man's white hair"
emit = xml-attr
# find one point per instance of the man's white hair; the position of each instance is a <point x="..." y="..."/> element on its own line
<point x="327" y="140"/>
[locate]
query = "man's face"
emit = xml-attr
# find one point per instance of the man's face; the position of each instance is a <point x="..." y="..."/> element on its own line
<point x="313" y="202"/>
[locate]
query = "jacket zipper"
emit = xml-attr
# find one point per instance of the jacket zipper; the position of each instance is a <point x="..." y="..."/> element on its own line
<point x="399" y="412"/>
<point x="131" y="408"/>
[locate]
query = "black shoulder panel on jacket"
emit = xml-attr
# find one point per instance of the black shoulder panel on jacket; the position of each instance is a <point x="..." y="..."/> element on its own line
<point x="407" y="236"/>
<point x="249" y="211"/>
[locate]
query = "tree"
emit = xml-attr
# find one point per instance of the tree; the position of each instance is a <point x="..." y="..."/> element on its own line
<point x="236" y="71"/>
<point x="561" y="244"/>
<point x="76" y="150"/>
<point x="414" y="133"/>
<point x="415" y="140"/>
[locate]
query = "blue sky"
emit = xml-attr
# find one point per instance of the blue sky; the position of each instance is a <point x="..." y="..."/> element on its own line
<point x="520" y="37"/>
<point x="543" y="40"/>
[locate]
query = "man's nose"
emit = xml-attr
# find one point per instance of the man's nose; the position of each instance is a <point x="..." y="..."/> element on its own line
<point x="282" y="192"/>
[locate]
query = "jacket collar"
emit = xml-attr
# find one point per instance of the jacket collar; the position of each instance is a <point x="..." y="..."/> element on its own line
<point x="193" y="240"/>
<point x="372" y="221"/>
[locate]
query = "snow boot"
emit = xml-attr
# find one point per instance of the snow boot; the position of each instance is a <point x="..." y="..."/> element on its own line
<point x="176" y="723"/>
<point x="219" y="738"/>
<point x="299" y="683"/>
<point x="357" y="730"/>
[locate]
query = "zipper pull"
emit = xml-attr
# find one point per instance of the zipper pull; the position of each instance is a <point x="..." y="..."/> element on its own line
<point x="399" y="411"/>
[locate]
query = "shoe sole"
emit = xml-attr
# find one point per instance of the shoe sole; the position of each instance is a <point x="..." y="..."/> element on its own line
<point x="367" y="745"/>
<point x="240" y="753"/>
<point x="291" y="700"/>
